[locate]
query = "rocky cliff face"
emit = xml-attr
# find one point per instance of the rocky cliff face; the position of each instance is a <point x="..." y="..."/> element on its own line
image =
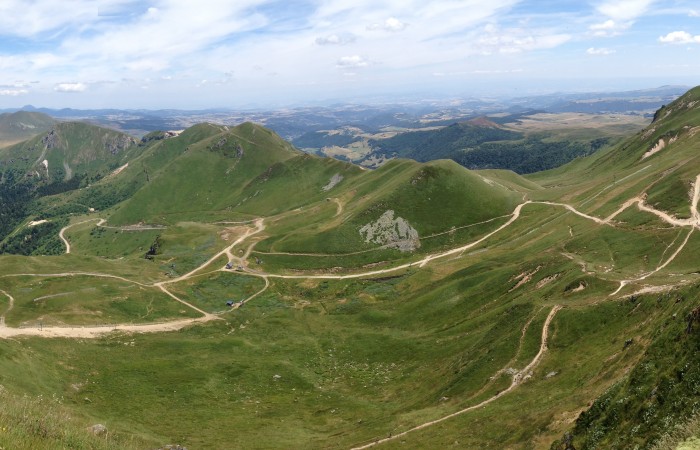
<point x="119" y="143"/>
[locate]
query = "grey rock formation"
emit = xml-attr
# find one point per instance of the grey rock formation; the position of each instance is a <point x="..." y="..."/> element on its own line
<point x="391" y="232"/>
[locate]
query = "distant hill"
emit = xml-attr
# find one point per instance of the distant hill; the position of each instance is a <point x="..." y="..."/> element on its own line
<point x="481" y="143"/>
<point x="69" y="150"/>
<point x="640" y="101"/>
<point x="64" y="157"/>
<point x="21" y="125"/>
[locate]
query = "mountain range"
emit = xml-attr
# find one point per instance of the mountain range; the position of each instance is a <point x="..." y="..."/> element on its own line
<point x="216" y="287"/>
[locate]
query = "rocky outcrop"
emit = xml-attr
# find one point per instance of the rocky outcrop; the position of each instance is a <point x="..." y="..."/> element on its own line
<point x="98" y="429"/>
<point x="50" y="140"/>
<point x="391" y="232"/>
<point x="335" y="179"/>
<point x="119" y="143"/>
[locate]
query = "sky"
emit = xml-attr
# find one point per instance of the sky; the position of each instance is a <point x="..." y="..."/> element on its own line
<point x="273" y="53"/>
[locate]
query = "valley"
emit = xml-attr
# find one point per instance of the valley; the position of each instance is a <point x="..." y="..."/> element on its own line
<point x="419" y="304"/>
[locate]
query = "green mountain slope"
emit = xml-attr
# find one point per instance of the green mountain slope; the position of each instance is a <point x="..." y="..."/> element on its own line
<point x="68" y="151"/>
<point x="483" y="144"/>
<point x="266" y="298"/>
<point x="68" y="156"/>
<point x="22" y="125"/>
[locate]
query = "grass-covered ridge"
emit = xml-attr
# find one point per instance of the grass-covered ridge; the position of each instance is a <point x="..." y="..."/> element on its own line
<point x="533" y="307"/>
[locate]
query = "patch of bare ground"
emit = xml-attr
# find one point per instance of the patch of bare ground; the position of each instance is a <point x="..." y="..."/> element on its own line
<point x="546" y="280"/>
<point x="523" y="278"/>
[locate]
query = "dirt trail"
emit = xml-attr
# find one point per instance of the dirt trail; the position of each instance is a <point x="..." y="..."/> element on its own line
<point x="90" y="332"/>
<point x="340" y="207"/>
<point x="518" y="378"/>
<point x="176" y="298"/>
<point x="624" y="206"/>
<point x="670" y="259"/>
<point x="696" y="198"/>
<point x="665" y="216"/>
<point x="421" y="263"/>
<point x="577" y="212"/>
<point x="9" y="308"/>
<point x="694" y="222"/>
<point x="259" y="226"/>
<point x="61" y="234"/>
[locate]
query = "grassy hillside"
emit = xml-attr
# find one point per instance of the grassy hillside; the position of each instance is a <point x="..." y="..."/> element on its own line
<point x="67" y="157"/>
<point x="22" y="125"/>
<point x="265" y="298"/>
<point x="28" y="423"/>
<point x="69" y="150"/>
<point x="483" y="144"/>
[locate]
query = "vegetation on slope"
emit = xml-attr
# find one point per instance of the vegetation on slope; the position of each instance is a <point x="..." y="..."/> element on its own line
<point x="22" y="125"/>
<point x="479" y="145"/>
<point x="530" y="315"/>
<point x="660" y="394"/>
<point x="28" y="423"/>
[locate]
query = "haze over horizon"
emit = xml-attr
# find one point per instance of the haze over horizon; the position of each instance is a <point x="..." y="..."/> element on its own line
<point x="175" y="54"/>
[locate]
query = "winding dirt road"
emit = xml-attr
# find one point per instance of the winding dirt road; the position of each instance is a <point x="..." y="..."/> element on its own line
<point x="518" y="378"/>
<point x="62" y="236"/>
<point x="693" y="222"/>
<point x="88" y="332"/>
<point x="260" y="226"/>
<point x="9" y="307"/>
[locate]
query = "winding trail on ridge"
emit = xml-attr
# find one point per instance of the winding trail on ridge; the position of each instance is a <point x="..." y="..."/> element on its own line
<point x="260" y="226"/>
<point x="97" y="331"/>
<point x="518" y="378"/>
<point x="421" y="263"/>
<point x="693" y="222"/>
<point x="9" y="308"/>
<point x="62" y="236"/>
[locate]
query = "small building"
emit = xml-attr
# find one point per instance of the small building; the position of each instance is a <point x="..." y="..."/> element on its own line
<point x="229" y="266"/>
<point x="230" y="303"/>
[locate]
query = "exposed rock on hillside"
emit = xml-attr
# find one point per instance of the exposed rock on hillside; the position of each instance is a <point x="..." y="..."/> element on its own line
<point x="391" y="233"/>
<point x="98" y="429"/>
<point x="50" y="140"/>
<point x="335" y="179"/>
<point x="119" y="143"/>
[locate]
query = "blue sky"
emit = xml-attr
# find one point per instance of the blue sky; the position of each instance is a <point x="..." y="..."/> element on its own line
<point x="178" y="54"/>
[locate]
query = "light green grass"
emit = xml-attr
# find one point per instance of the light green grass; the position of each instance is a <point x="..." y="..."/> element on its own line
<point x="85" y="300"/>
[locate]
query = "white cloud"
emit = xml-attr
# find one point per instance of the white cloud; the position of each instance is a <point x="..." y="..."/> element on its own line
<point x="19" y="18"/>
<point x="679" y="37"/>
<point x="70" y="87"/>
<point x="624" y="10"/>
<point x="352" y="61"/>
<point x="334" y="39"/>
<point x="694" y="13"/>
<point x="391" y="24"/>
<point x="13" y="92"/>
<point x="620" y="14"/>
<point x="600" y="51"/>
<point x="605" y="26"/>
<point x="494" y="40"/>
<point x="609" y="28"/>
<point x="130" y="41"/>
